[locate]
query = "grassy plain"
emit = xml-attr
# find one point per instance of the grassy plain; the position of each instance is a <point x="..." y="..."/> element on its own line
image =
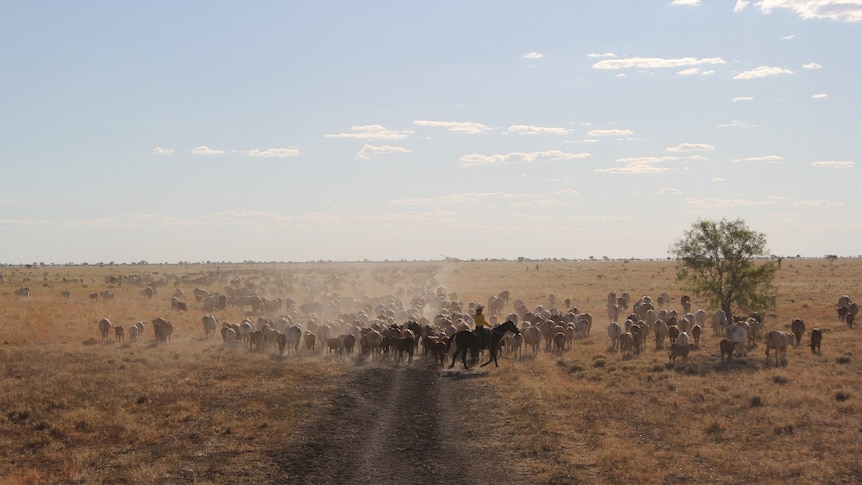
<point x="76" y="410"/>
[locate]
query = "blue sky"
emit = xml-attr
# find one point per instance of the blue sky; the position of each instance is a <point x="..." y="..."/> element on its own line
<point x="295" y="131"/>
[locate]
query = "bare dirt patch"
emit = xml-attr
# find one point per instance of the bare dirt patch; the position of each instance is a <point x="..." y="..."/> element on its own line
<point x="403" y="424"/>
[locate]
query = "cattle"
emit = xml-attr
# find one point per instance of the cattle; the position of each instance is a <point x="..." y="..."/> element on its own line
<point x="816" y="338"/>
<point x="293" y="336"/>
<point x="119" y="333"/>
<point x="614" y="332"/>
<point x="726" y="347"/>
<point x="797" y="326"/>
<point x="679" y="350"/>
<point x="140" y="331"/>
<point x="147" y="292"/>
<point x="310" y="341"/>
<point x="559" y="343"/>
<point x="105" y="328"/>
<point x="718" y="321"/>
<point x="163" y="329"/>
<point x="334" y="345"/>
<point x="404" y="345"/>
<point x="779" y="341"/>
<point x="626" y="343"/>
<point x="228" y="336"/>
<point x="281" y="341"/>
<point x="246" y="327"/>
<point x="533" y="338"/>
<point x="672" y="333"/>
<point x="134" y="336"/>
<point x="210" y="323"/>
<point x="738" y="334"/>
<point x="65" y="294"/>
<point x="23" y="292"/>
<point x="348" y="341"/>
<point x="696" y="332"/>
<point x="181" y="306"/>
<point x="516" y="342"/>
<point x="106" y="295"/>
<point x="94" y="296"/>
<point x="660" y="331"/>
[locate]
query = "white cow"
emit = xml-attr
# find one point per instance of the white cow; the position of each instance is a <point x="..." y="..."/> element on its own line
<point x="614" y="332"/>
<point x="779" y="341"/>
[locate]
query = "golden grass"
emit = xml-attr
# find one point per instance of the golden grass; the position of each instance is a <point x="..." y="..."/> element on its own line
<point x="74" y="410"/>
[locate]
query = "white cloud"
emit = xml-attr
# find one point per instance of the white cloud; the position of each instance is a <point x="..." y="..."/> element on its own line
<point x="534" y="130"/>
<point x="691" y="71"/>
<point x="844" y="10"/>
<point x="764" y="158"/>
<point x="566" y="192"/>
<point x="688" y="3"/>
<point x="368" y="151"/>
<point x="372" y="132"/>
<point x="655" y="62"/>
<point x="742" y="98"/>
<point x="719" y="180"/>
<point x="817" y="203"/>
<point x="834" y="164"/>
<point x="610" y="132"/>
<point x="762" y="71"/>
<point x="514" y="157"/>
<point x="273" y="152"/>
<point x="205" y="150"/>
<point x="539" y="203"/>
<point x="690" y="147"/>
<point x="820" y="96"/>
<point x="812" y="65"/>
<point x="130" y="220"/>
<point x="533" y="55"/>
<point x="163" y="151"/>
<point x="668" y="191"/>
<point x="604" y="55"/>
<point x="740" y="5"/>
<point x="737" y="124"/>
<point x="788" y="37"/>
<point x="457" y="126"/>
<point x="638" y="165"/>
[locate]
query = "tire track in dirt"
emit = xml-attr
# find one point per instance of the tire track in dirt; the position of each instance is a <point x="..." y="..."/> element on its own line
<point x="400" y="424"/>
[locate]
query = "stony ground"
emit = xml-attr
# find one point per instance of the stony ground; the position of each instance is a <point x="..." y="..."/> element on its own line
<point x="403" y="424"/>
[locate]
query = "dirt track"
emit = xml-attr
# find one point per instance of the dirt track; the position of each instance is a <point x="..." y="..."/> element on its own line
<point x="402" y="424"/>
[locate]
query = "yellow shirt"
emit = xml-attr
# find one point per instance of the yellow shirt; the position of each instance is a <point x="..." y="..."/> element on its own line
<point x="479" y="319"/>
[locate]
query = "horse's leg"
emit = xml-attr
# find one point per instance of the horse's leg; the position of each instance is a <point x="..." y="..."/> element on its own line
<point x="454" y="357"/>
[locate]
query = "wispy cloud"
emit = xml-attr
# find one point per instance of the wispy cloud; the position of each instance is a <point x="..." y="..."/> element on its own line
<point x="368" y="151"/>
<point x="205" y="150"/>
<point x="812" y="65"/>
<point x="843" y="10"/>
<point x="610" y="132"/>
<point x="820" y="96"/>
<point x="762" y="71"/>
<point x="163" y="151"/>
<point x="833" y="164"/>
<point x="742" y="98"/>
<point x="273" y="152"/>
<point x="130" y="220"/>
<point x="515" y="157"/>
<point x="566" y="192"/>
<point x="737" y="124"/>
<point x="668" y="191"/>
<point x="655" y="62"/>
<point x="535" y="130"/>
<point x="372" y="132"/>
<point x="456" y="126"/>
<point x="764" y="158"/>
<point x="690" y="147"/>
<point x="740" y="5"/>
<point x="601" y="55"/>
<point x="687" y="3"/>
<point x="533" y="55"/>
<point x="788" y="37"/>
<point x="817" y="203"/>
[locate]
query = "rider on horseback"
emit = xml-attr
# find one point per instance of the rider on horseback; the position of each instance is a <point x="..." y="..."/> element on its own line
<point x="483" y="329"/>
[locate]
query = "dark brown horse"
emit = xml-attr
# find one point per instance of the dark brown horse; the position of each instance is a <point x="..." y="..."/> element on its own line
<point x="466" y="340"/>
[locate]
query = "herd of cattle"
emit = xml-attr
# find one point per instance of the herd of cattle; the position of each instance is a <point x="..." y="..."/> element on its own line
<point x="389" y="329"/>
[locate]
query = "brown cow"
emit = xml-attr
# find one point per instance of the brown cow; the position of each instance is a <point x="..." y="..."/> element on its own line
<point x="726" y="347"/>
<point x="816" y="338"/>
<point x="797" y="326"/>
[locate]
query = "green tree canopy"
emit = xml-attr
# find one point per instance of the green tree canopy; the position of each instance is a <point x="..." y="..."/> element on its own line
<point x="727" y="263"/>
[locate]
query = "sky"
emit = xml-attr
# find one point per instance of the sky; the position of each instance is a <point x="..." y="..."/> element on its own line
<point x="166" y="131"/>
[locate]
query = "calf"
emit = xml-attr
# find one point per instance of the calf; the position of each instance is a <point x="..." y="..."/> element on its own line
<point x="679" y="350"/>
<point x="816" y="338"/>
<point x="779" y="341"/>
<point x="726" y="347"/>
<point x="119" y="333"/>
<point x="797" y="326"/>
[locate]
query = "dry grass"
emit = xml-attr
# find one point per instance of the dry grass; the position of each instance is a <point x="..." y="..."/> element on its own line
<point x="75" y="410"/>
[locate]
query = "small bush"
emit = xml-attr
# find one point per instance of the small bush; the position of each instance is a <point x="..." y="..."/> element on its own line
<point x="842" y="396"/>
<point x="756" y="402"/>
<point x="844" y="359"/>
<point x="780" y="380"/>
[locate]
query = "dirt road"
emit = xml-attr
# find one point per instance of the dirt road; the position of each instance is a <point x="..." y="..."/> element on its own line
<point x="403" y="424"/>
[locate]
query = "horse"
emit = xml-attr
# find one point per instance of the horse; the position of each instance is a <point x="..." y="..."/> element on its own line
<point x="466" y="340"/>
